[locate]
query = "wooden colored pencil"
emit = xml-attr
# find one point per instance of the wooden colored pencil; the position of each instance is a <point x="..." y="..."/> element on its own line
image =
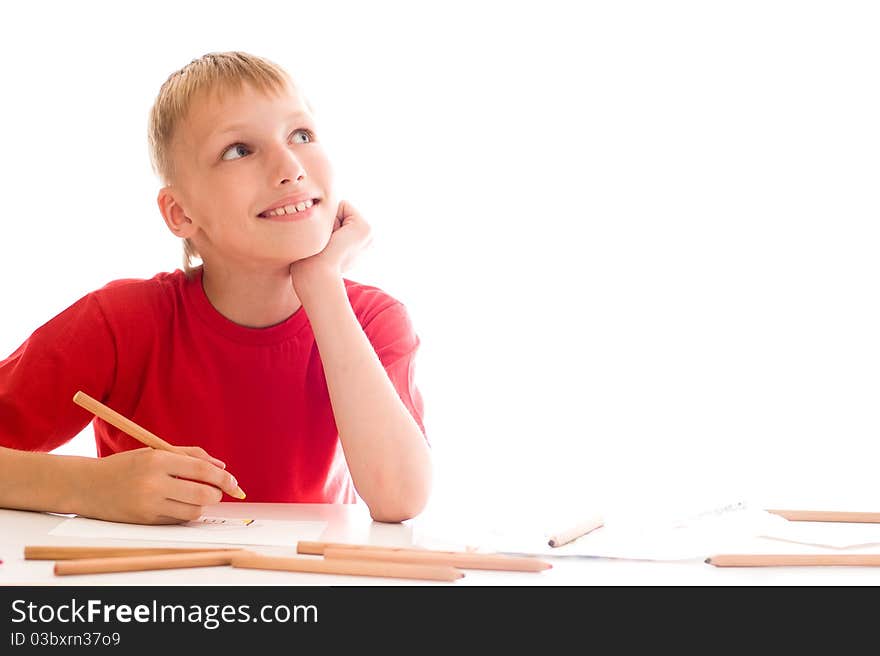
<point x="317" y="548"/>
<point x="347" y="567"/>
<point x="793" y="560"/>
<point x="143" y="563"/>
<point x="128" y="427"/>
<point x="50" y="552"/>
<point x="828" y="516"/>
<point x="462" y="560"/>
<point x="573" y="533"/>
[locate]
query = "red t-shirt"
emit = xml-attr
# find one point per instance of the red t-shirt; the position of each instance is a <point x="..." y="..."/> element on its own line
<point x="159" y="353"/>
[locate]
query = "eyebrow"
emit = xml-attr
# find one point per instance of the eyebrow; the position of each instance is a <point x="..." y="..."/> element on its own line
<point x="235" y="127"/>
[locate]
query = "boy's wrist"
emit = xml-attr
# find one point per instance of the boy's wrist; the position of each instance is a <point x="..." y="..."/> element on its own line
<point x="84" y="474"/>
<point x="313" y="279"/>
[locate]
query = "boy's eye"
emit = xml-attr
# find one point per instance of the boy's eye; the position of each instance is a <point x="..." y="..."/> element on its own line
<point x="235" y="151"/>
<point x="302" y="132"/>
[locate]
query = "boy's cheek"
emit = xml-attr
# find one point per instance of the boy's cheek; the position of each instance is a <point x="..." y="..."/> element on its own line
<point x="330" y="210"/>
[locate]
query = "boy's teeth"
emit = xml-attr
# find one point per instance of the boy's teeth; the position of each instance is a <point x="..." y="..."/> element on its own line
<point x="290" y="209"/>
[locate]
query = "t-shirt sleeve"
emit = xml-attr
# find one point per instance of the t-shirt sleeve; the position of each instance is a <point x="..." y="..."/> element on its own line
<point x="395" y="341"/>
<point x="72" y="351"/>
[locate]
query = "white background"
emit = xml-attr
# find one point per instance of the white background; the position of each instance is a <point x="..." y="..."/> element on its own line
<point x="639" y="240"/>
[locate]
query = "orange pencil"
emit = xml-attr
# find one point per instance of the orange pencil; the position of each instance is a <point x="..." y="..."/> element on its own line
<point x="347" y="567"/>
<point x="793" y="560"/>
<point x="317" y="548"/>
<point x="143" y="563"/>
<point x="49" y="552"/>
<point x="573" y="533"/>
<point x="463" y="560"/>
<point x="828" y="516"/>
<point x="127" y="426"/>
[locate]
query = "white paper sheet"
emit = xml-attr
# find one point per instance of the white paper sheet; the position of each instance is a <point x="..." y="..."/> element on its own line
<point x="830" y="535"/>
<point x="699" y="536"/>
<point x="216" y="530"/>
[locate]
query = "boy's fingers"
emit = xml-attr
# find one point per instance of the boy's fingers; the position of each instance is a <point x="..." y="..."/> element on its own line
<point x="179" y="511"/>
<point x="165" y="519"/>
<point x="199" y="452"/>
<point x="193" y="493"/>
<point x="345" y="211"/>
<point x="197" y="469"/>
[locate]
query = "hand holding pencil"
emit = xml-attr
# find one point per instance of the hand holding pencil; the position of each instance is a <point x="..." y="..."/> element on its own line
<point x="159" y="484"/>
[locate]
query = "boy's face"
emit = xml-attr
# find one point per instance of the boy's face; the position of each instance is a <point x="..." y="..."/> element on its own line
<point x="238" y="156"/>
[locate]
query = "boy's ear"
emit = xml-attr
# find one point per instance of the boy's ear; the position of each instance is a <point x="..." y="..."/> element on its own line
<point x="175" y="218"/>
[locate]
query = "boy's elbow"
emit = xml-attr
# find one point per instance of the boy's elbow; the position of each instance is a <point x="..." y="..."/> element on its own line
<point x="394" y="514"/>
<point x="400" y="507"/>
<point x="395" y="497"/>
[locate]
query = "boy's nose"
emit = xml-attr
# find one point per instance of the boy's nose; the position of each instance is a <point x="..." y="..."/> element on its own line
<point x="288" y="168"/>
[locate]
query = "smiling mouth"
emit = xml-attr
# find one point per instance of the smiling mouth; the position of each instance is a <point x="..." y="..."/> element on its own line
<point x="289" y="209"/>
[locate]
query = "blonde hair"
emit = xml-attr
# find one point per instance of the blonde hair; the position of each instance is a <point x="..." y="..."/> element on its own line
<point x="224" y="72"/>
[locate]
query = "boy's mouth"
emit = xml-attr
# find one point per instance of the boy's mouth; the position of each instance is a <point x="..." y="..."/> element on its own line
<point x="291" y="208"/>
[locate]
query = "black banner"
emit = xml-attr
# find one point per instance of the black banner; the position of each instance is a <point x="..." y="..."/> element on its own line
<point x="125" y="620"/>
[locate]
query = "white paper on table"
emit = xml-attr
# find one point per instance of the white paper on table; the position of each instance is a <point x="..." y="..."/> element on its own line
<point x="830" y="535"/>
<point x="700" y="536"/>
<point x="217" y="530"/>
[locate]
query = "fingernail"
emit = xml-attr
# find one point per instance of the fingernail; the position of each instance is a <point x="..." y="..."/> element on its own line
<point x="237" y="492"/>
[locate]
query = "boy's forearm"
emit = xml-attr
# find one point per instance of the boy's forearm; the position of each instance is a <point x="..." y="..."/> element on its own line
<point x="43" y="481"/>
<point x="386" y="451"/>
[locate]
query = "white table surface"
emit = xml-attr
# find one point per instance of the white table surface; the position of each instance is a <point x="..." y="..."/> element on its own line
<point x="351" y="523"/>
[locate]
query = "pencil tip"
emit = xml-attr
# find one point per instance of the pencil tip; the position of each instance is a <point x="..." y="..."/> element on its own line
<point x="708" y="561"/>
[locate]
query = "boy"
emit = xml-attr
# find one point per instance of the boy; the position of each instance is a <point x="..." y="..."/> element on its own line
<point x="296" y="380"/>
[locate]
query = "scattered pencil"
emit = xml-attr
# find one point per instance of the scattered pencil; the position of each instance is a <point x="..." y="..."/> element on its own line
<point x="347" y="567"/>
<point x="575" y="532"/>
<point x="828" y="516"/>
<point x="462" y="560"/>
<point x="50" y="552"/>
<point x="143" y="563"/>
<point x="793" y="560"/>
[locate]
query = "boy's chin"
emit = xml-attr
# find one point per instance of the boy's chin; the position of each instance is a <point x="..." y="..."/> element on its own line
<point x="290" y="257"/>
<point x="304" y="247"/>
